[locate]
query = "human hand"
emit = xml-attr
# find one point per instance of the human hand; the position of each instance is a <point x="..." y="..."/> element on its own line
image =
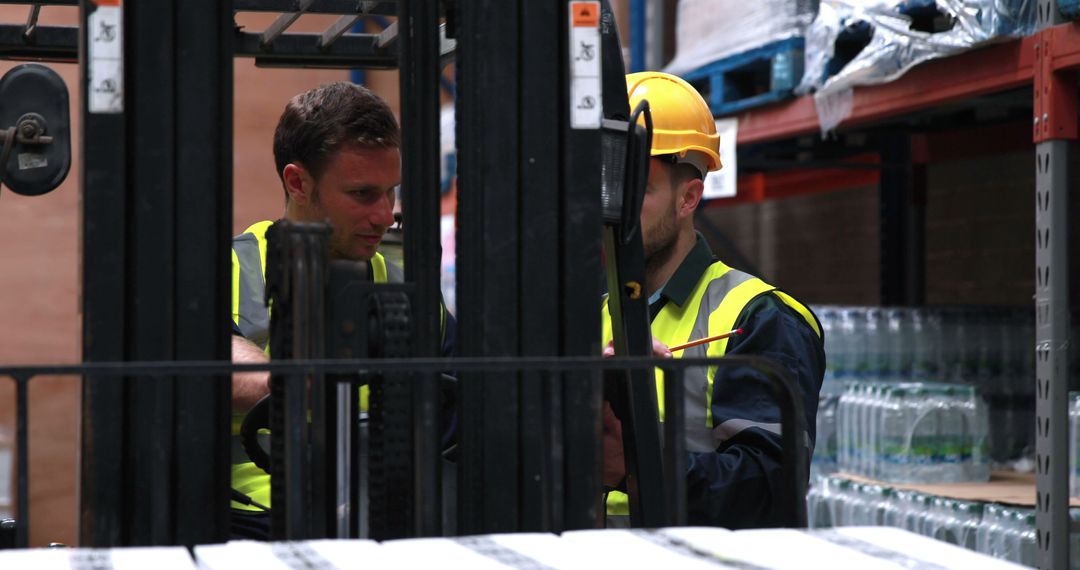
<point x="659" y="349"/>
<point x="614" y="464"/>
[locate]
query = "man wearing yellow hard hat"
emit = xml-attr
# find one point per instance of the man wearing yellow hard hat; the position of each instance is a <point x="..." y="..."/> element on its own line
<point x="732" y="420"/>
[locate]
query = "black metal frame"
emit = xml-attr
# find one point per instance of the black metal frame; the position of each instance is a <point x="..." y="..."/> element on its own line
<point x="154" y="287"/>
<point x="529" y="282"/>
<point x="418" y="24"/>
<point x="587" y="369"/>
<point x="157" y="211"/>
<point x="60" y="44"/>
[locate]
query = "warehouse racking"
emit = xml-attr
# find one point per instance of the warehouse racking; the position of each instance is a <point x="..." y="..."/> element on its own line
<point x="913" y="120"/>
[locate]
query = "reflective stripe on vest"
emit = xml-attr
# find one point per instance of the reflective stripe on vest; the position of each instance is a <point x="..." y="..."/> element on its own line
<point x="716" y="302"/>
<point x="252" y="317"/>
<point x="250" y="312"/>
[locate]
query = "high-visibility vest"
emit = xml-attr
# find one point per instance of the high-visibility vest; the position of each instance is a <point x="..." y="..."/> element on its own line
<point x="716" y="302"/>
<point x="252" y="317"/>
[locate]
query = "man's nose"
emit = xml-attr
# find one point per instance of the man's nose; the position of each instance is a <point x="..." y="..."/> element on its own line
<point x="384" y="212"/>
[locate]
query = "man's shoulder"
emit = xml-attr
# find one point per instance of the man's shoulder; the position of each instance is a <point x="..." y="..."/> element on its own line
<point x="255" y="231"/>
<point x="776" y="304"/>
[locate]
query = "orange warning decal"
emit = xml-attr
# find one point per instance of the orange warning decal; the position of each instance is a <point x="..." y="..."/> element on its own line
<point x="585" y="14"/>
<point x="107" y="2"/>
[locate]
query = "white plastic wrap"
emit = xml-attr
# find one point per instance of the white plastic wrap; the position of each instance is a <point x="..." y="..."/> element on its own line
<point x="708" y="30"/>
<point x="894" y="47"/>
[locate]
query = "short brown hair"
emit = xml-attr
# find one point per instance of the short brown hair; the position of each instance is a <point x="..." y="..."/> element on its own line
<point x="317" y="123"/>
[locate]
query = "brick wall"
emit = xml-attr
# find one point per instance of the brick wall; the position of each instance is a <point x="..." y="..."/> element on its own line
<point x="822" y="248"/>
<point x="980" y="229"/>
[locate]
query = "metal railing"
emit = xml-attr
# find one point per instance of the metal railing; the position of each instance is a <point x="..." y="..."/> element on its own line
<point x="779" y="382"/>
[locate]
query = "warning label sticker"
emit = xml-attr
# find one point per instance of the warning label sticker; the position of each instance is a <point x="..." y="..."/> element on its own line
<point x="585" y="14"/>
<point x="585" y="87"/>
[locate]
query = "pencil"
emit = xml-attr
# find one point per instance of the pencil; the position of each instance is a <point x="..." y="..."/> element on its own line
<point x="704" y="340"/>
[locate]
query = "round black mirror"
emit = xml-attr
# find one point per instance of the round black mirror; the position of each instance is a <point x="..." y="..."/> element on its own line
<point x="35" y="130"/>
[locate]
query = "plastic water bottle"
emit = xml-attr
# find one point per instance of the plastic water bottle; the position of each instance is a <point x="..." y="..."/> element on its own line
<point x="919" y="509"/>
<point x="978" y="460"/>
<point x="988" y="534"/>
<point x="866" y="431"/>
<point x="843" y="510"/>
<point x="969" y="515"/>
<point x="951" y="434"/>
<point x="876" y="499"/>
<point x="901" y="344"/>
<point x="854" y="325"/>
<point x="977" y="350"/>
<point x="876" y="364"/>
<point x="1002" y="398"/>
<point x="846" y="343"/>
<point x="818" y="500"/>
<point x="1074" y="539"/>
<point x="899" y="508"/>
<point x="926" y="345"/>
<point x="825" y="453"/>
<point x="830" y="330"/>
<point x="856" y="425"/>
<point x="7" y="473"/>
<point x="1025" y="537"/>
<point x="895" y="445"/>
<point x="1074" y="444"/>
<point x="843" y="428"/>
<point x="923" y="426"/>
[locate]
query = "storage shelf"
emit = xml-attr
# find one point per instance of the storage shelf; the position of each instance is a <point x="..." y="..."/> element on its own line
<point x="987" y="70"/>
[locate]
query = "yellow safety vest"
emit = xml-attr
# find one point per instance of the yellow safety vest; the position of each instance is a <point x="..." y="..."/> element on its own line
<point x="252" y="317"/>
<point x="716" y="302"/>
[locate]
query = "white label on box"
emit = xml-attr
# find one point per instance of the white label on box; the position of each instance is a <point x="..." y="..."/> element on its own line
<point x="105" y="30"/>
<point x="722" y="183"/>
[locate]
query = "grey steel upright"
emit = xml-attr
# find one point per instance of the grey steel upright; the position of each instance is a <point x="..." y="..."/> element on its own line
<point x="1054" y="126"/>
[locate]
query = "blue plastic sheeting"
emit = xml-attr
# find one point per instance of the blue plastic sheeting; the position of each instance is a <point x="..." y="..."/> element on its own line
<point x="901" y="35"/>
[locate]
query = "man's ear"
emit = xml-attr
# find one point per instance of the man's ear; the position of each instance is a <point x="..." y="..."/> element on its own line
<point x="690" y="197"/>
<point x="298" y="183"/>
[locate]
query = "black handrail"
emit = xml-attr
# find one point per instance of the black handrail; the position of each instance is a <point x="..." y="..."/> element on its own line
<point x="795" y="459"/>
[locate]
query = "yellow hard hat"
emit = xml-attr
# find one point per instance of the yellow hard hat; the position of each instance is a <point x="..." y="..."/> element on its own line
<point x="682" y="122"/>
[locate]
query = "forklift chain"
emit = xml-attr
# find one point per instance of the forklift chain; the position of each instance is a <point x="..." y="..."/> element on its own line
<point x="390" y="425"/>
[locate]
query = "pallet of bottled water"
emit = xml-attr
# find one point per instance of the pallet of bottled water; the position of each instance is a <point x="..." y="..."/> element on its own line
<point x="913" y="432"/>
<point x="1002" y="531"/>
<point x="990" y="348"/>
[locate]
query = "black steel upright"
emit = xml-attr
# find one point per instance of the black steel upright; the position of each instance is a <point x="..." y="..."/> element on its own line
<point x="529" y="283"/>
<point x="104" y="304"/>
<point x="488" y="116"/>
<point x="903" y="220"/>
<point x="632" y="393"/>
<point x="157" y="218"/>
<point x="418" y="26"/>
<point x="543" y="478"/>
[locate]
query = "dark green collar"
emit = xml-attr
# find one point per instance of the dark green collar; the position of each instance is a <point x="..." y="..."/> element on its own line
<point x="686" y="277"/>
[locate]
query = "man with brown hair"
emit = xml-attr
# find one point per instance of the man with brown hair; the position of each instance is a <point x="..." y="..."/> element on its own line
<point x="337" y="153"/>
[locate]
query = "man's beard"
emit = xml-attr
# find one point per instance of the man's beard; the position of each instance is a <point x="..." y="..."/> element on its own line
<point x="661" y="246"/>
